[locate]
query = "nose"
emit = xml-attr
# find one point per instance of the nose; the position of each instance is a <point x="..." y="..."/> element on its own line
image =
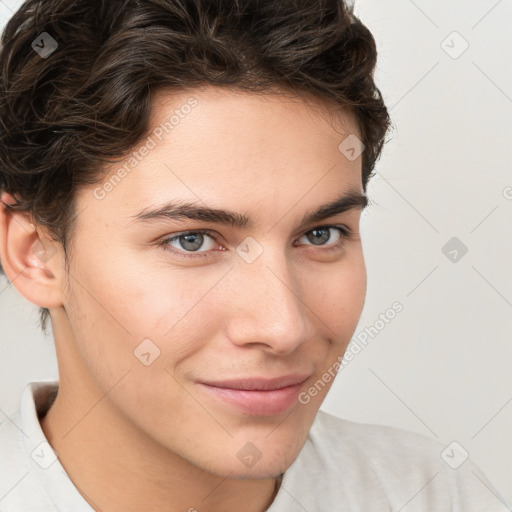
<point x="268" y="307"/>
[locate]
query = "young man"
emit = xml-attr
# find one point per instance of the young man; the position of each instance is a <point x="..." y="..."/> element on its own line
<point x="182" y="183"/>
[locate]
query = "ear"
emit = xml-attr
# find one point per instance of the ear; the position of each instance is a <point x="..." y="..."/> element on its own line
<point x="32" y="262"/>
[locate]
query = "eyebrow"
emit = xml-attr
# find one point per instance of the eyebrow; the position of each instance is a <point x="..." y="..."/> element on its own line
<point x="180" y="210"/>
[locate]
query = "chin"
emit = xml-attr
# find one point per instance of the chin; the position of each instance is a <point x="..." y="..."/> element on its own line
<point x="262" y="470"/>
<point x="245" y="460"/>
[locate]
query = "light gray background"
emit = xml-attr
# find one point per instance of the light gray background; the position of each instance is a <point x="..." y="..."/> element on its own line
<point x="442" y="367"/>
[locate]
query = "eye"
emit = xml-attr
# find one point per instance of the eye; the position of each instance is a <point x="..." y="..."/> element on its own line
<point x="319" y="235"/>
<point x="188" y="243"/>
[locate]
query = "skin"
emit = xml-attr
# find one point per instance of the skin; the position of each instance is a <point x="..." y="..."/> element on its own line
<point x="134" y="437"/>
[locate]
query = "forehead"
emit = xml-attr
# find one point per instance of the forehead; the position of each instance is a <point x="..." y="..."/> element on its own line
<point x="217" y="110"/>
<point x="209" y="144"/>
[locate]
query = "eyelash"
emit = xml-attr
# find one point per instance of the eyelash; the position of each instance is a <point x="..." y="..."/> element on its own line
<point x="345" y="233"/>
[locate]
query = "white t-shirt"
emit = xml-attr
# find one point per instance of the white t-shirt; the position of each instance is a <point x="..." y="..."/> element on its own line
<point x="344" y="467"/>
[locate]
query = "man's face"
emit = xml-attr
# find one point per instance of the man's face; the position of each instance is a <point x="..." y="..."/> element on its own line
<point x="164" y="319"/>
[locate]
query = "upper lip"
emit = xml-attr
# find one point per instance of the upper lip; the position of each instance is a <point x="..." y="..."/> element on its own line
<point x="260" y="383"/>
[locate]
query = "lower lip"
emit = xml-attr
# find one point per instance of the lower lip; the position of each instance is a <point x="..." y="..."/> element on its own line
<point x="257" y="403"/>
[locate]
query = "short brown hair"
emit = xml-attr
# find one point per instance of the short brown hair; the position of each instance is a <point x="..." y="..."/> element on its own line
<point x="63" y="116"/>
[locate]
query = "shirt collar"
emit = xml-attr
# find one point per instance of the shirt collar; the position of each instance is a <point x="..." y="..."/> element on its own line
<point x="36" y="399"/>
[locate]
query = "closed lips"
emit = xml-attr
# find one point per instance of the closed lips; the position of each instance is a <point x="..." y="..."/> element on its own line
<point x="258" y="383"/>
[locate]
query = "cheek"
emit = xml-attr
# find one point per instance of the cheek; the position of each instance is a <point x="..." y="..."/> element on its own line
<point x="340" y="308"/>
<point x="119" y="304"/>
<point x="339" y="295"/>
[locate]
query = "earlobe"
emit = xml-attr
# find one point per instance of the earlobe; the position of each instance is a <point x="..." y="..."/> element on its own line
<point x="29" y="259"/>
